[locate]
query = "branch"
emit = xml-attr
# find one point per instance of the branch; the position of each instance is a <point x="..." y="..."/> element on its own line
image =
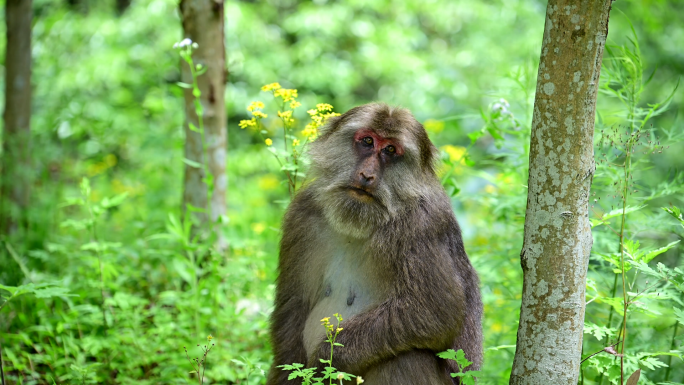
<point x="607" y="349"/>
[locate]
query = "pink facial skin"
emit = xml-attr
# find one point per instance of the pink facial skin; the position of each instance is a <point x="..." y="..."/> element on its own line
<point x="379" y="142"/>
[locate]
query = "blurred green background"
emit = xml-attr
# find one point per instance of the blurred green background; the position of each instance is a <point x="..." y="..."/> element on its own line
<point x="106" y="107"/>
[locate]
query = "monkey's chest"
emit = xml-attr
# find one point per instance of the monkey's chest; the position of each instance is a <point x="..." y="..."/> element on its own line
<point x="349" y="287"/>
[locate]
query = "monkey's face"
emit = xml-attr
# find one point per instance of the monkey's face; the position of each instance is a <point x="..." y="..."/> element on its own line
<point x="371" y="164"/>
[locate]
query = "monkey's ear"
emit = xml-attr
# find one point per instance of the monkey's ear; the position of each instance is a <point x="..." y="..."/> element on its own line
<point x="429" y="154"/>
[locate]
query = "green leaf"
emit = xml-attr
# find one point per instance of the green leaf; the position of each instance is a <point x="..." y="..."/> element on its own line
<point x="85" y="187"/>
<point x="652" y="254"/>
<point x="676" y="213"/>
<point x="679" y="315"/>
<point x="501" y="347"/>
<point x="615" y="213"/>
<point x="448" y="355"/>
<point x="289" y="167"/>
<point x="53" y="291"/>
<point x="475" y="135"/>
<point x="184" y="269"/>
<point x="195" y="209"/>
<point x="114" y="201"/>
<point x="184" y="85"/>
<point x="598" y="331"/>
<point x="192" y="163"/>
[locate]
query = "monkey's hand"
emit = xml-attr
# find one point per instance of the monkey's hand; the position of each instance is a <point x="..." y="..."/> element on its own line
<point x="425" y="311"/>
<point x="397" y="325"/>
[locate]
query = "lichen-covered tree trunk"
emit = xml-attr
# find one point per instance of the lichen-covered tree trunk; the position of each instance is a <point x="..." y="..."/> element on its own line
<point x="557" y="239"/>
<point x="16" y="152"/>
<point x="203" y="24"/>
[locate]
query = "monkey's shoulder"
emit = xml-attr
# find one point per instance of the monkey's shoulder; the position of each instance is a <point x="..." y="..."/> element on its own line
<point x="429" y="220"/>
<point x="301" y="226"/>
<point x="302" y="213"/>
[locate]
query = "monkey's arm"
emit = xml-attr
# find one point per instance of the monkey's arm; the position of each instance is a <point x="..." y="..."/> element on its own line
<point x="291" y="308"/>
<point x="287" y="321"/>
<point x="287" y="324"/>
<point x="425" y="310"/>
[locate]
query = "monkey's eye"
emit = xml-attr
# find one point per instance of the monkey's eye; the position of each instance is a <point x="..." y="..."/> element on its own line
<point x="391" y="150"/>
<point x="368" y="140"/>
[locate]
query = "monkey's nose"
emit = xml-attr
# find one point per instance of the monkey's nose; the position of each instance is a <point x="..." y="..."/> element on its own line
<point x="366" y="180"/>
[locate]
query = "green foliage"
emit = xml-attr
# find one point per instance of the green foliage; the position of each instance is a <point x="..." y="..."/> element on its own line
<point x="329" y="372"/>
<point x="641" y="287"/>
<point x="467" y="378"/>
<point x="109" y="283"/>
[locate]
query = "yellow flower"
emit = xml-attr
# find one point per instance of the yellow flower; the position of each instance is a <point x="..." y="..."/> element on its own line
<point x="324" y="107"/>
<point x="255" y="105"/>
<point x="259" y="114"/>
<point x="258" y="227"/>
<point x="268" y="182"/>
<point x="456" y="153"/>
<point x="286" y="94"/>
<point x="359" y="380"/>
<point x="330" y="115"/>
<point x="312" y="112"/>
<point x="285" y="114"/>
<point x="294" y="104"/>
<point x="268" y="142"/>
<point x="271" y="87"/>
<point x="340" y="376"/>
<point x="110" y="160"/>
<point x="247" y="123"/>
<point x="295" y="142"/>
<point x="310" y="132"/>
<point x="209" y="337"/>
<point x="434" y="126"/>
<point x="325" y="320"/>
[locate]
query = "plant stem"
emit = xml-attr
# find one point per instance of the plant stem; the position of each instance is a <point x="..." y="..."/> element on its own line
<point x="2" y="370"/>
<point x="625" y="302"/>
<point x="195" y="289"/>
<point x="98" y="252"/>
<point x="18" y="260"/>
<point x="672" y="346"/>
<point x="610" y="316"/>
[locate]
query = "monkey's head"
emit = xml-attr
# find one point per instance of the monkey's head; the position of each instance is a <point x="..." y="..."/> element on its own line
<point x="370" y="165"/>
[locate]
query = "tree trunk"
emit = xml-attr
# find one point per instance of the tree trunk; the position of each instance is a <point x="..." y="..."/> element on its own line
<point x="122" y="6"/>
<point x="557" y="241"/>
<point x="16" y="155"/>
<point x="203" y="24"/>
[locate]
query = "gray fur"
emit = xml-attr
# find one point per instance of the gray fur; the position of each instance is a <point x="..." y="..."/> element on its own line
<point x="394" y="267"/>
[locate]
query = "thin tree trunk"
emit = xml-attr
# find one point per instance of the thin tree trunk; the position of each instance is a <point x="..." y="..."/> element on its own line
<point x="203" y="24"/>
<point x="557" y="241"/>
<point x="122" y="6"/>
<point x="16" y="155"/>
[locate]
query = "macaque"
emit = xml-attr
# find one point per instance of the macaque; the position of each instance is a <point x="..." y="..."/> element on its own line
<point x="373" y="237"/>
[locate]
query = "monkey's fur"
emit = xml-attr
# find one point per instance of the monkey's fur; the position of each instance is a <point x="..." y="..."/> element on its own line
<point x="373" y="237"/>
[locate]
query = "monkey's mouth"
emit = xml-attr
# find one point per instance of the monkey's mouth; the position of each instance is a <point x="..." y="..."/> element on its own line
<point x="360" y="193"/>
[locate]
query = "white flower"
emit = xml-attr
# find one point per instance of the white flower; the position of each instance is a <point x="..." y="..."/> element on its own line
<point x="183" y="43"/>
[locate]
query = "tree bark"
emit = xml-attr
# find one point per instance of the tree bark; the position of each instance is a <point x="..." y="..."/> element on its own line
<point x="122" y="6"/>
<point x="557" y="241"/>
<point x="16" y="155"/>
<point x="203" y="24"/>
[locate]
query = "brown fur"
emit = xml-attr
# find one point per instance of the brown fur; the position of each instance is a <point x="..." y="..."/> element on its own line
<point x="394" y="267"/>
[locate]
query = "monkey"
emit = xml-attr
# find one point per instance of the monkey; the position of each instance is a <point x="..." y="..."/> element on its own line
<point x="373" y="237"/>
